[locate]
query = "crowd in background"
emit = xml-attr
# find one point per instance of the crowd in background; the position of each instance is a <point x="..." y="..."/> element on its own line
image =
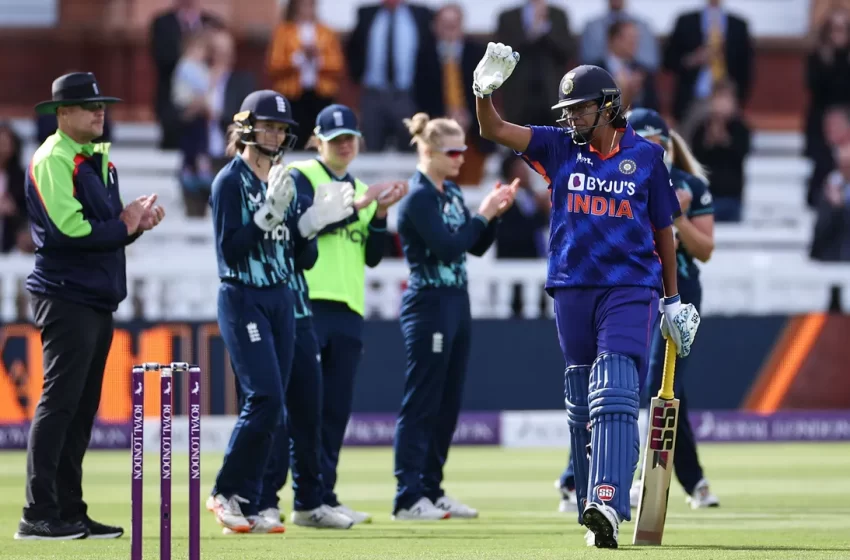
<point x="407" y="57"/>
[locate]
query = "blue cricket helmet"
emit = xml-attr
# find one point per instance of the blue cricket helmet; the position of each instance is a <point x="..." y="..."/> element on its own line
<point x="582" y="84"/>
<point x="265" y="106"/>
<point x="648" y="123"/>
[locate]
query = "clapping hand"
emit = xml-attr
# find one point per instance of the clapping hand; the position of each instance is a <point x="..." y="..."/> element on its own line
<point x="152" y="217"/>
<point x="133" y="213"/>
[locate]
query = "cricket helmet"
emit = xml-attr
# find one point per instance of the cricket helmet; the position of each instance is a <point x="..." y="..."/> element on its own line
<point x="583" y="84"/>
<point x="265" y="106"/>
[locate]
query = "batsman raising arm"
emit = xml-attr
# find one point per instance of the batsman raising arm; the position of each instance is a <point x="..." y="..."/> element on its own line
<point x="613" y="208"/>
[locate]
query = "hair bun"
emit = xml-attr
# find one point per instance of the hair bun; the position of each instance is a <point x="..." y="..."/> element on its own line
<point x="416" y="124"/>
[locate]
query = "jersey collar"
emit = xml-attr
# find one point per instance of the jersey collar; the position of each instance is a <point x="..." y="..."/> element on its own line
<point x="626" y="141"/>
<point x="87" y="149"/>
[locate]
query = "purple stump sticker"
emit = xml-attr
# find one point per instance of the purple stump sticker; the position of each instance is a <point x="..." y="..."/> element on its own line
<point x="474" y="428"/>
<point x="165" y="464"/>
<point x="194" y="463"/>
<point x="137" y="443"/>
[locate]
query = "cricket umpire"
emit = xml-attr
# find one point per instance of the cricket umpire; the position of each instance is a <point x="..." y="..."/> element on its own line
<point x="80" y="227"/>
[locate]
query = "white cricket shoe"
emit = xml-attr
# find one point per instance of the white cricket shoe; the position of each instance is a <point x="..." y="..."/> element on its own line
<point x="323" y="517"/>
<point x="569" y="502"/>
<point x="635" y="492"/>
<point x="261" y="525"/>
<point x="357" y="516"/>
<point x="702" y="496"/>
<point x="273" y="515"/>
<point x="228" y="512"/>
<point x="604" y="523"/>
<point x="455" y="508"/>
<point x="423" y="510"/>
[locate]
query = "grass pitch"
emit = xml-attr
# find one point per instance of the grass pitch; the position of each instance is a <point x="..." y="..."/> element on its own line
<point x="777" y="501"/>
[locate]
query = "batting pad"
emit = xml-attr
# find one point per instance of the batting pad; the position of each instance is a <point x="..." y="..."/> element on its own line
<point x="576" y="383"/>
<point x="614" y="405"/>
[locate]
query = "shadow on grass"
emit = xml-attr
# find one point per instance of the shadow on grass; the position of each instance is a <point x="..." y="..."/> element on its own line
<point x="751" y="548"/>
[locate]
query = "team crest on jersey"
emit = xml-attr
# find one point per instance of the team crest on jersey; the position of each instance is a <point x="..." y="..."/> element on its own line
<point x="627" y="167"/>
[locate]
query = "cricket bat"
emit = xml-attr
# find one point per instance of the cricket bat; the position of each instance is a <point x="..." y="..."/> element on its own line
<point x="658" y="457"/>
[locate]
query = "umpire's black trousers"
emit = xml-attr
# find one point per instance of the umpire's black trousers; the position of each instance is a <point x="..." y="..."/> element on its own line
<point x="75" y="343"/>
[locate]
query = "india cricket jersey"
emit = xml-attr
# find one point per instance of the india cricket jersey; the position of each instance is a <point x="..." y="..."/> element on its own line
<point x="605" y="209"/>
<point x="246" y="253"/>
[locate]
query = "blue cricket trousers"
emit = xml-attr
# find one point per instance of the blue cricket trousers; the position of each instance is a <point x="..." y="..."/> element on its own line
<point x="436" y="325"/>
<point x="298" y="438"/>
<point x="339" y="332"/>
<point x="258" y="329"/>
<point x="629" y="315"/>
<point x="685" y="461"/>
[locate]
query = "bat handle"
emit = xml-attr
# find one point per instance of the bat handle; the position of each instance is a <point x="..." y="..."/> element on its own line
<point x="666" y="391"/>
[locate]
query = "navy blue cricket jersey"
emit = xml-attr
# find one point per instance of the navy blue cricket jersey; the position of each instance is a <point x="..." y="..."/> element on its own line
<point x="306" y="256"/>
<point x="702" y="204"/>
<point x="605" y="210"/>
<point x="246" y="253"/>
<point x="437" y="230"/>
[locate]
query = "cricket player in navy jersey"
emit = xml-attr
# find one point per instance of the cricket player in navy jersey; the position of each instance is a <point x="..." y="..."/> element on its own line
<point x="436" y="231"/>
<point x="298" y="444"/>
<point x="337" y="280"/>
<point x="695" y="241"/>
<point x="611" y="251"/>
<point x="258" y="231"/>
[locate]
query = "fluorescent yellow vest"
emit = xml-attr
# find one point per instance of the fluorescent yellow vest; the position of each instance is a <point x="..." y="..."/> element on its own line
<point x="340" y="272"/>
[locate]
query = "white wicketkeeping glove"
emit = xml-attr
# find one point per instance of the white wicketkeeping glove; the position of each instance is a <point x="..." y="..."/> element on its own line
<point x="497" y="65"/>
<point x="332" y="202"/>
<point x="279" y="195"/>
<point x="679" y="321"/>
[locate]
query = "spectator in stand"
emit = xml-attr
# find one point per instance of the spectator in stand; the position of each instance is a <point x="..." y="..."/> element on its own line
<point x="168" y="33"/>
<point x="389" y="54"/>
<point x="229" y="87"/>
<point x="636" y="82"/>
<point x="541" y="32"/>
<point x="831" y="240"/>
<point x="706" y="47"/>
<point x="191" y="92"/>
<point x="594" y="40"/>
<point x="305" y="63"/>
<point x="522" y="232"/>
<point x="828" y="82"/>
<point x="721" y="143"/>
<point x="458" y="56"/>
<point x="14" y="227"/>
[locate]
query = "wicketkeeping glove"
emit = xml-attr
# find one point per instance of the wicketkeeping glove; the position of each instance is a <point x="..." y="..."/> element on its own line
<point x="332" y="202"/>
<point x="497" y="65"/>
<point x="279" y="195"/>
<point x="680" y="322"/>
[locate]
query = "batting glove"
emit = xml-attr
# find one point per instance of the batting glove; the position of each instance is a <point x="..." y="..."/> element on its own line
<point x="497" y="65"/>
<point x="679" y="322"/>
<point x="332" y="203"/>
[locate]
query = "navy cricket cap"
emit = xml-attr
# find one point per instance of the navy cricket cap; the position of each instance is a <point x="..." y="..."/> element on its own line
<point x="585" y="83"/>
<point x="336" y="120"/>
<point x="267" y="105"/>
<point x="647" y="123"/>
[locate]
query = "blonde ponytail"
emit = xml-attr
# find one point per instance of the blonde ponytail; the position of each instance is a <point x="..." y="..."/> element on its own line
<point x="430" y="132"/>
<point x="684" y="159"/>
<point x="234" y="141"/>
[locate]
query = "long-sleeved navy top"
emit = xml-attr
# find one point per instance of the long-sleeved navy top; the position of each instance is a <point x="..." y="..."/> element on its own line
<point x="437" y="230"/>
<point x="245" y="253"/>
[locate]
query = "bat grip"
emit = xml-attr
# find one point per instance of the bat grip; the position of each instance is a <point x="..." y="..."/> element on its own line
<point x="666" y="391"/>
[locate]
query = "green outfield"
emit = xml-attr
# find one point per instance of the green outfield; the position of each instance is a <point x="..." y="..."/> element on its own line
<point x="778" y="501"/>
